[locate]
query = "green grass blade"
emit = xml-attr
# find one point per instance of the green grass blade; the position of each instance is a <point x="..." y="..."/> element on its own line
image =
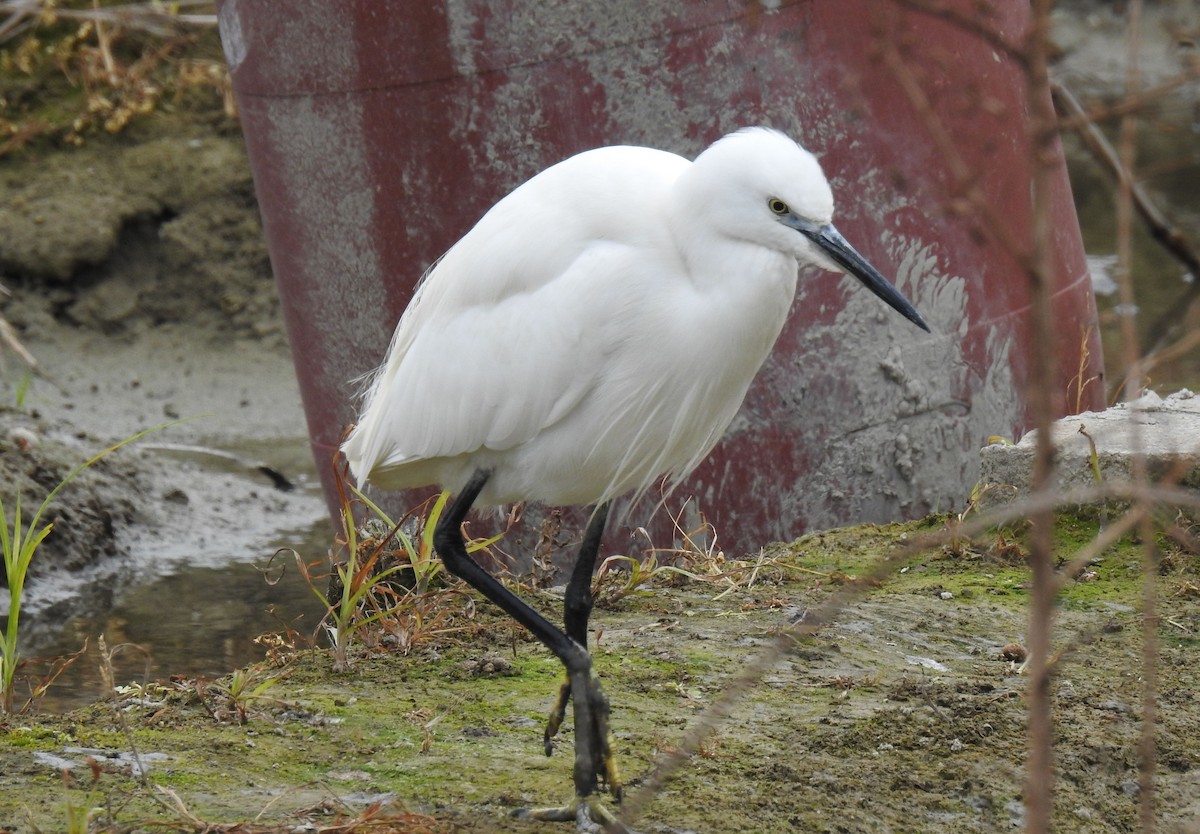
<point x="21" y="544"/>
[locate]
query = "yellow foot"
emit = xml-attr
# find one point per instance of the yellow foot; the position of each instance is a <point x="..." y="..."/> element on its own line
<point x="595" y="764"/>
<point x="607" y="761"/>
<point x="557" y="713"/>
<point x="589" y="814"/>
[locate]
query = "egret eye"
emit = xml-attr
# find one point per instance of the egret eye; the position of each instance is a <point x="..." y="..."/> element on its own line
<point x="777" y="206"/>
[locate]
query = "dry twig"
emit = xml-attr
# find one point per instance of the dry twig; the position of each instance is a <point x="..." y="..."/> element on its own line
<point x="1160" y="228"/>
<point x="156" y="18"/>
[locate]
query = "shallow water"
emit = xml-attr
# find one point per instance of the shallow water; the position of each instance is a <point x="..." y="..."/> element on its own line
<point x="194" y="622"/>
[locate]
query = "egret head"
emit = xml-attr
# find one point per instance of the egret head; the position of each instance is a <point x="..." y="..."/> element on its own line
<point x="760" y="187"/>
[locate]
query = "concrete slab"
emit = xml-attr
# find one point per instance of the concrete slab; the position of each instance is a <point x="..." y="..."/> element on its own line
<point x="1165" y="430"/>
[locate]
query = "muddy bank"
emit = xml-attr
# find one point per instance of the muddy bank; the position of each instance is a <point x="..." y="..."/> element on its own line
<point x="905" y="714"/>
<point x="199" y="493"/>
<point x="124" y="235"/>
<point x="137" y="275"/>
<point x="139" y="280"/>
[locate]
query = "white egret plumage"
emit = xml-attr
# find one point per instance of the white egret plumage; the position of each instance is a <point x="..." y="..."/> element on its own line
<point x="597" y="330"/>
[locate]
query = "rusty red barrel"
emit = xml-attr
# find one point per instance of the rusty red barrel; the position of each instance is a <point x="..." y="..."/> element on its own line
<point x="379" y="133"/>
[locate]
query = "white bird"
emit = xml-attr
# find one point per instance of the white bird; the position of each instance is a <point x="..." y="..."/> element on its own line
<point x="596" y="331"/>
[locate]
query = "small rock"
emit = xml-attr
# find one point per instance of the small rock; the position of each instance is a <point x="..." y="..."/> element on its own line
<point x="489" y="664"/>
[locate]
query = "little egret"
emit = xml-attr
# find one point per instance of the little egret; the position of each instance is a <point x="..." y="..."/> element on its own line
<point x="596" y="331"/>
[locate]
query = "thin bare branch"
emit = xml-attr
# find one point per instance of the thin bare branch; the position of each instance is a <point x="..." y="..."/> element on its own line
<point x="1039" y="772"/>
<point x="150" y="17"/>
<point x="1147" y="744"/>
<point x="976" y="25"/>
<point x="1160" y="228"/>
<point x="1131" y="104"/>
<point x="8" y="336"/>
<point x="969" y="195"/>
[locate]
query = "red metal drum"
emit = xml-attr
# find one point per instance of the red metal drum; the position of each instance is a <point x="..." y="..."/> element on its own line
<point x="380" y="132"/>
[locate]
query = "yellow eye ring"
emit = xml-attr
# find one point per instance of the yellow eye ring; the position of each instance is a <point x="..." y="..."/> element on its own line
<point x="777" y="206"/>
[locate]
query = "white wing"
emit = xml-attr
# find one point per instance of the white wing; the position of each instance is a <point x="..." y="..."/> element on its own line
<point x="506" y="336"/>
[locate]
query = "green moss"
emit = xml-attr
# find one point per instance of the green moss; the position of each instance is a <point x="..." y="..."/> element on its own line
<point x="34" y="737"/>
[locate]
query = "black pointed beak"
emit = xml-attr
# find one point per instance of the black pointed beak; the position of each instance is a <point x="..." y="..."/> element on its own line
<point x="830" y="241"/>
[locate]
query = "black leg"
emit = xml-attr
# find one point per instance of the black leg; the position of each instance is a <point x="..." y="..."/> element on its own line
<point x="592" y="747"/>
<point x="577" y="608"/>
<point x="448" y="540"/>
<point x="577" y="605"/>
